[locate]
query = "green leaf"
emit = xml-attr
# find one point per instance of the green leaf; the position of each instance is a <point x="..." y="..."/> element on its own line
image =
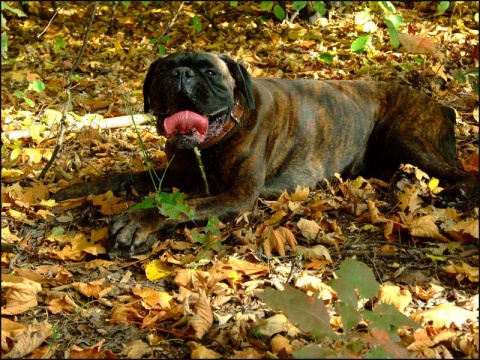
<point x="59" y="45"/>
<point x="307" y="312"/>
<point x="350" y="316"/>
<point x="145" y="3"/>
<point x="19" y="94"/>
<point x="126" y="4"/>
<point x="419" y="60"/>
<point x="197" y="23"/>
<point x="162" y="49"/>
<point x="319" y="7"/>
<point x="37" y="86"/>
<point x="266" y="5"/>
<point x="354" y="275"/>
<point x="165" y="38"/>
<point x="4" y="23"/>
<point x="173" y="205"/>
<point x="387" y="318"/>
<point x="30" y="102"/>
<point x="377" y="353"/>
<point x="279" y="13"/>
<point x="326" y="58"/>
<point x="362" y="17"/>
<point x="359" y="44"/>
<point x="299" y="5"/>
<point x="146" y="203"/>
<point x="394" y="37"/>
<point x="153" y="41"/>
<point x="387" y="6"/>
<point x="17" y="12"/>
<point x="197" y="237"/>
<point x="443" y="5"/>
<point x="315" y="351"/>
<point x="213" y="226"/>
<point x="233" y="3"/>
<point x="4" y="45"/>
<point x="393" y="21"/>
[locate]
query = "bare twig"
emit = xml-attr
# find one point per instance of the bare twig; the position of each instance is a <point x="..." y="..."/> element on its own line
<point x="49" y="23"/>
<point x="69" y="95"/>
<point x="172" y="21"/>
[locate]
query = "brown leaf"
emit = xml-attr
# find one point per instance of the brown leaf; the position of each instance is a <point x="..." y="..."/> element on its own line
<point x="393" y="295"/>
<point x="444" y="316"/>
<point x="424" y="226"/>
<point x="417" y="44"/>
<point x="201" y="352"/>
<point x="30" y="339"/>
<point x="136" y="350"/>
<point x="153" y="299"/>
<point x="202" y="319"/>
<point x="95" y="289"/>
<point x="281" y="344"/>
<point x="20" y="297"/>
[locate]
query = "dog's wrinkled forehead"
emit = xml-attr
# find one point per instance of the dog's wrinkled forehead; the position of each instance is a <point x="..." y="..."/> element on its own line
<point x="199" y="61"/>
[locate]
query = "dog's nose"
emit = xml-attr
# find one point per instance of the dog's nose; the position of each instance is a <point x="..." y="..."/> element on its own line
<point x="184" y="76"/>
<point x="183" y="72"/>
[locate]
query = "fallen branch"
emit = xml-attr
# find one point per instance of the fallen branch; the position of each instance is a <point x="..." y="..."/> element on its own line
<point x="109" y="123"/>
<point x="69" y="94"/>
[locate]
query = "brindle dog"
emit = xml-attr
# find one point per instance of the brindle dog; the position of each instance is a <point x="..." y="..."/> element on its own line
<point x="261" y="136"/>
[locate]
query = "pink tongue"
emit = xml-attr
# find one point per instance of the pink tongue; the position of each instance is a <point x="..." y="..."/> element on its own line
<point x="185" y="121"/>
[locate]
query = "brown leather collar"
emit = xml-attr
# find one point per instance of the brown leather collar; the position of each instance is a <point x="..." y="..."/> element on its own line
<point x="234" y="119"/>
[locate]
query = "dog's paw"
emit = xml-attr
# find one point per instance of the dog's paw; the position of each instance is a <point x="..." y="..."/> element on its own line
<point x="133" y="232"/>
<point x="452" y="197"/>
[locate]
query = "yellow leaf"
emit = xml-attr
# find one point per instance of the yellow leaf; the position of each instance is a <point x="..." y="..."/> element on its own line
<point x="394" y="295"/>
<point x="6" y="173"/>
<point x="20" y="296"/>
<point x="309" y="228"/>
<point x="433" y="183"/>
<point x="36" y="131"/>
<point x="48" y="203"/>
<point x="153" y="299"/>
<point x="444" y="315"/>
<point x="14" y="154"/>
<point x="97" y="235"/>
<point x="425" y="226"/>
<point x="156" y="270"/>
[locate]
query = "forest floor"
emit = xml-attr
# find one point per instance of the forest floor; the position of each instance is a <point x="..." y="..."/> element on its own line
<point x="200" y="293"/>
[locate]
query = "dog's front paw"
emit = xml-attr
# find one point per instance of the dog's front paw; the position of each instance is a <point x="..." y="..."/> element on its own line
<point x="133" y="232"/>
<point x="452" y="197"/>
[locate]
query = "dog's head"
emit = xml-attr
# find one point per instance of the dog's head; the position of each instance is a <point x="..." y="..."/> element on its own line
<point x="192" y="95"/>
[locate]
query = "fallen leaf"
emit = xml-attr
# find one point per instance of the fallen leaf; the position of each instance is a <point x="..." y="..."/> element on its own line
<point x="444" y="316"/>
<point x="20" y="296"/>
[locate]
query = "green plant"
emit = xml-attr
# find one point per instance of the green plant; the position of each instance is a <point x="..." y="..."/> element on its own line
<point x="36" y="86"/>
<point x="391" y="18"/>
<point x="208" y="237"/>
<point x="355" y="282"/>
<point x="468" y="76"/>
<point x="19" y="13"/>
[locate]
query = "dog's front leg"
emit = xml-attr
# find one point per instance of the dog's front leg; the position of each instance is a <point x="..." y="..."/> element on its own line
<point x="135" y="231"/>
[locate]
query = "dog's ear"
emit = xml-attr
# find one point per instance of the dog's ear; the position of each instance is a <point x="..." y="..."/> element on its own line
<point x="147" y="84"/>
<point x="242" y="79"/>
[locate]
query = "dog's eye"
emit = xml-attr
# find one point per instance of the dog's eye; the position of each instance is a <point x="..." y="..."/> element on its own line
<point x="210" y="72"/>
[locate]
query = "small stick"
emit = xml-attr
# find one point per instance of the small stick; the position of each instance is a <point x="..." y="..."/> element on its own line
<point x="202" y="170"/>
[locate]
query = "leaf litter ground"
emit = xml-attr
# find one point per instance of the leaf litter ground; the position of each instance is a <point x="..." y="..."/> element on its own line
<point x="194" y="294"/>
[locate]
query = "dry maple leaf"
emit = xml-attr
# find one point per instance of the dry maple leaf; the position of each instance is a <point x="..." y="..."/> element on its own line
<point x="202" y="319"/>
<point x="424" y="226"/>
<point x="393" y="295"/>
<point x="19" y="296"/>
<point x="30" y="339"/>
<point x="417" y="44"/>
<point x="444" y="316"/>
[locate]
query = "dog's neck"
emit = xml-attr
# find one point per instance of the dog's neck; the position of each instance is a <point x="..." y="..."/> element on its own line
<point x="234" y="119"/>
